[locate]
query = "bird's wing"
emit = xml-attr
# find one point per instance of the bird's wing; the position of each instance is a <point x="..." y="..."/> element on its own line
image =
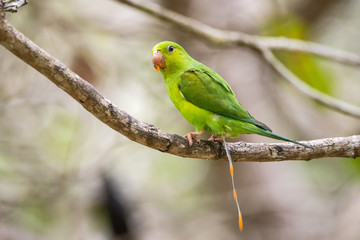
<point x="207" y="90"/>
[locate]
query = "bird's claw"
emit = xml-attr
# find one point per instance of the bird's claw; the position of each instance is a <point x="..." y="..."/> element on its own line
<point x="13" y="5"/>
<point x="193" y="135"/>
<point x="214" y="138"/>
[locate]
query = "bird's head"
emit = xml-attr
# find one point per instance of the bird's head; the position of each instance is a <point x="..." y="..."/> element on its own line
<point x="169" y="57"/>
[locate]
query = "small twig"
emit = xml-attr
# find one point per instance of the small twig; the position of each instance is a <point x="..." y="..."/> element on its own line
<point x="297" y="45"/>
<point x="13" y="5"/>
<point x="150" y="136"/>
<point x="316" y="95"/>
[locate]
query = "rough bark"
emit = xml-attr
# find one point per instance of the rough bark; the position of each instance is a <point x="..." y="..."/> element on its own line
<point x="147" y="134"/>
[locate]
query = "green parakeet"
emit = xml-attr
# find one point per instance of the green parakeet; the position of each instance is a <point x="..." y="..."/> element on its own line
<point x="205" y="99"/>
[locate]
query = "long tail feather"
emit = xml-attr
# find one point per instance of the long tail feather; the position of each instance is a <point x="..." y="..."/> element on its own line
<point x="276" y="136"/>
<point x="233" y="185"/>
<point x="269" y="134"/>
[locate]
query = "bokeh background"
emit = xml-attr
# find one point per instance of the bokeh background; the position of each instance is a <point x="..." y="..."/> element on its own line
<point x="54" y="155"/>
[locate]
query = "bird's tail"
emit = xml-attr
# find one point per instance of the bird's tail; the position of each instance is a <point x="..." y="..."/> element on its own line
<point x="233" y="184"/>
<point x="270" y="134"/>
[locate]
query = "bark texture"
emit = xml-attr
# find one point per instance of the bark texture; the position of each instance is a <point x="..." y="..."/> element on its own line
<point x="147" y="134"/>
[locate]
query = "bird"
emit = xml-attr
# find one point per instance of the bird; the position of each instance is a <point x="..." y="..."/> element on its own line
<point x="206" y="101"/>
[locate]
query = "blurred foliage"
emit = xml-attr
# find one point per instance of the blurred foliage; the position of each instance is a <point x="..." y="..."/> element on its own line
<point x="353" y="167"/>
<point x="306" y="67"/>
<point x="53" y="154"/>
<point x="311" y="70"/>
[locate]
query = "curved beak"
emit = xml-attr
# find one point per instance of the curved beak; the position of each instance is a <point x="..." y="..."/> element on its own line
<point x="158" y="60"/>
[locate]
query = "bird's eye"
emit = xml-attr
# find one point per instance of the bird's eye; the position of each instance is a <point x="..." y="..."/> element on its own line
<point x="171" y="49"/>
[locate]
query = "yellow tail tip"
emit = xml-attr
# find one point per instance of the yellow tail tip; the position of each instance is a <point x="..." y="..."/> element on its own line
<point x="240" y="222"/>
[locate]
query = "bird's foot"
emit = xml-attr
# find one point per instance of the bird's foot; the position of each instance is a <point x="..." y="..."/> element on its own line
<point x="193" y="135"/>
<point x="214" y="138"/>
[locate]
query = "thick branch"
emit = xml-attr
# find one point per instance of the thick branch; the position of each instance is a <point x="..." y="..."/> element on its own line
<point x="264" y="45"/>
<point x="147" y="134"/>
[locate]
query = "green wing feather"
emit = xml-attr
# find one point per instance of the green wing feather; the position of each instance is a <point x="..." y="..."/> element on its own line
<point x="207" y="90"/>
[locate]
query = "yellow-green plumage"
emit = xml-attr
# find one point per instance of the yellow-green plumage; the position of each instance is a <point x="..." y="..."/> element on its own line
<point x="203" y="97"/>
<point x="206" y="100"/>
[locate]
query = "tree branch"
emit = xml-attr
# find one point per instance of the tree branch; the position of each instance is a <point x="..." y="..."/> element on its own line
<point x="221" y="37"/>
<point x="150" y="136"/>
<point x="316" y="95"/>
<point x="263" y="45"/>
<point x="13" y="5"/>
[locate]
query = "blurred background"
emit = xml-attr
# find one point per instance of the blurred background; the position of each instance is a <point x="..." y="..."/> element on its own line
<point x="66" y="175"/>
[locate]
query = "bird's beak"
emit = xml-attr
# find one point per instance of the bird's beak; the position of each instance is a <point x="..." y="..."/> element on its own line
<point x="158" y="60"/>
